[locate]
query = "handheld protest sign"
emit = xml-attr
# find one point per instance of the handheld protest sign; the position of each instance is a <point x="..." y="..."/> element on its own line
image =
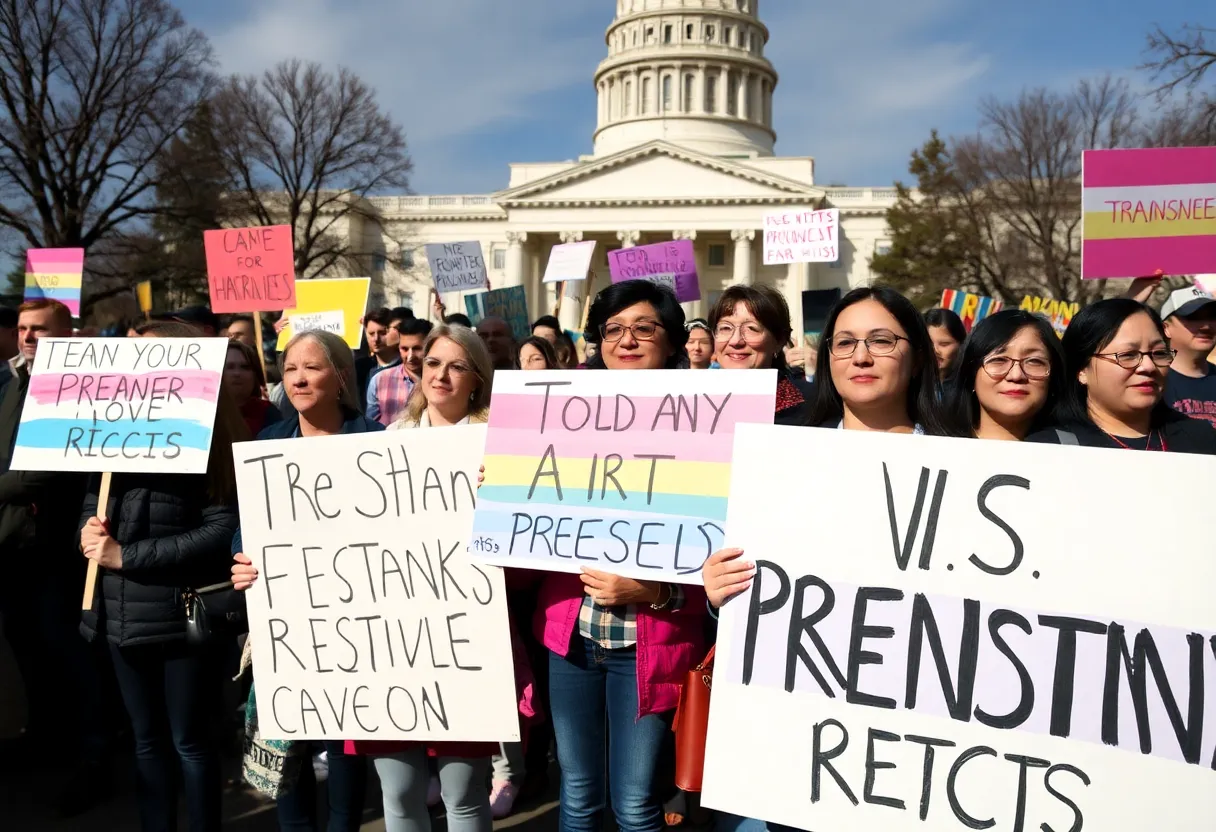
<point x="569" y="261"/>
<point x="970" y="308"/>
<point x="802" y="236"/>
<point x="345" y="295"/>
<point x="1148" y="211"/>
<point x="251" y="269"/>
<point x="510" y="304"/>
<point x="138" y="405"/>
<point x="369" y="620"/>
<point x="456" y="267"/>
<point x="622" y="472"/>
<point x="925" y="646"/>
<point x="671" y="264"/>
<point x="55" y="274"/>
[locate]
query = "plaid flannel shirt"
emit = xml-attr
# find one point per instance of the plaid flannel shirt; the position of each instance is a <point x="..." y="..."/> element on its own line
<point x="615" y="628"/>
<point x="393" y="389"/>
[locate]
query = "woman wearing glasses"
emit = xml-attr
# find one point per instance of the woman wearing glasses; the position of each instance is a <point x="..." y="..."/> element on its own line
<point x="1010" y="372"/>
<point x="619" y="648"/>
<point x="1117" y="357"/>
<point x="751" y="329"/>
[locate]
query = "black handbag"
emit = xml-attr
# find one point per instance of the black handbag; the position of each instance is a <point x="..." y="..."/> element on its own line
<point x="213" y="611"/>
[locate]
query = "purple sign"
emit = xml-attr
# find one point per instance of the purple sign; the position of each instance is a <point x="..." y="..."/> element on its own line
<point x="671" y="264"/>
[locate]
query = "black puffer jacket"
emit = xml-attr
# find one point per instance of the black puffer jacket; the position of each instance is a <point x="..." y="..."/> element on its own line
<point x="172" y="540"/>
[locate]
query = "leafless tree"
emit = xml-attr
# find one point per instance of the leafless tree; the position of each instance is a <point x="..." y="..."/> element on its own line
<point x="305" y="147"/>
<point x="91" y="91"/>
<point x="1179" y="63"/>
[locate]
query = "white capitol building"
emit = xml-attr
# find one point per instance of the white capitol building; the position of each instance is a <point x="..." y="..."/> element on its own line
<point x="683" y="149"/>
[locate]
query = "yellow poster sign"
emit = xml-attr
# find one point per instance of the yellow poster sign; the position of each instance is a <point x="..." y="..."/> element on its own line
<point x="325" y="295"/>
<point x="1058" y="312"/>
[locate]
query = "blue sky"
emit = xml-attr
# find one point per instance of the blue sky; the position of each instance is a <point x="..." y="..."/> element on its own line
<point x="478" y="84"/>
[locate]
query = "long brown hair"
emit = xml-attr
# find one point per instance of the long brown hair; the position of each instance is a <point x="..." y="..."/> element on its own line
<point x="229" y="428"/>
<point x="483" y="366"/>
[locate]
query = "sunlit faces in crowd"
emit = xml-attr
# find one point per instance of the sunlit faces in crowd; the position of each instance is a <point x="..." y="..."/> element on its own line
<point x="382" y="337"/>
<point x="751" y="328"/>
<point x="700" y="346"/>
<point x="1009" y="372"/>
<point x="1124" y="378"/>
<point x="947" y="333"/>
<point x="310" y="377"/>
<point x="242" y="329"/>
<point x="536" y="353"/>
<point x="547" y="327"/>
<point x="871" y="363"/>
<point x="41" y="319"/>
<point x="448" y="375"/>
<point x="640" y="327"/>
<point x="1193" y="334"/>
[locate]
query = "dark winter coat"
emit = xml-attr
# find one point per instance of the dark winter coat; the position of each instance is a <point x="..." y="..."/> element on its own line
<point x="172" y="540"/>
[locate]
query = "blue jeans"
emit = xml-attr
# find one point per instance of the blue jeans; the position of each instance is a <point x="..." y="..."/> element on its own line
<point x="593" y="699"/>
<point x="345" y="790"/>
<point x="169" y="691"/>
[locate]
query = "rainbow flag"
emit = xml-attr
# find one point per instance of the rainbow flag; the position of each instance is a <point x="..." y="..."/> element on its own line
<point x="55" y="274"/>
<point x="621" y="472"/>
<point x="1148" y="211"/>
<point x="970" y="307"/>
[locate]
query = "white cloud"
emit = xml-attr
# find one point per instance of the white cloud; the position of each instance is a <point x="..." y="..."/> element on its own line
<point x="862" y="84"/>
<point x="444" y="69"/>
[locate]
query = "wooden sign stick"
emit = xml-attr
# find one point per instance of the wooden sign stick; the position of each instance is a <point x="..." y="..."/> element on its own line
<point x="561" y="292"/>
<point x="582" y="324"/>
<point x="90" y="578"/>
<point x="257" y="336"/>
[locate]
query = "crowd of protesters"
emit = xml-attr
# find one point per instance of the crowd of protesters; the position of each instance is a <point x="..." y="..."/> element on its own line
<point x="604" y="655"/>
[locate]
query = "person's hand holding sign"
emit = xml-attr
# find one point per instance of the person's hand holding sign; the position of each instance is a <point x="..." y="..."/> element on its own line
<point x="610" y="590"/>
<point x="96" y="543"/>
<point x="726" y="575"/>
<point x="244" y="573"/>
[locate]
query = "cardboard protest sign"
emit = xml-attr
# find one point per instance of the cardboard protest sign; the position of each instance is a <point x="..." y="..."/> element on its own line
<point x="333" y="321"/>
<point x="970" y="307"/>
<point x="802" y="236"/>
<point x="456" y="267"/>
<point x="55" y="274"/>
<point x="251" y="269"/>
<point x="510" y="304"/>
<point x="1148" y="209"/>
<point x="1057" y="311"/>
<point x="671" y="264"/>
<point x="624" y="472"/>
<point x="326" y="295"/>
<point x="569" y="261"/>
<point x="142" y="405"/>
<point x="368" y="619"/>
<point x="939" y="657"/>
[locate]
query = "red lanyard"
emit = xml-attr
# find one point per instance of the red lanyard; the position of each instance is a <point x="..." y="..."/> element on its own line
<point x="1148" y="445"/>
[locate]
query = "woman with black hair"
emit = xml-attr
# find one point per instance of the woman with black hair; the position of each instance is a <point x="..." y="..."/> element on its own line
<point x="619" y="648"/>
<point x="947" y="333"/>
<point x="1010" y="372"/>
<point x="1116" y="359"/>
<point x="536" y="353"/>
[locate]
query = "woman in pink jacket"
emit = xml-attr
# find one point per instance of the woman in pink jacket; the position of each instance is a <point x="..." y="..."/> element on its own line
<point x="619" y="648"/>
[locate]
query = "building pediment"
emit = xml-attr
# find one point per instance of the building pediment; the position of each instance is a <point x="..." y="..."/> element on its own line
<point x="659" y="173"/>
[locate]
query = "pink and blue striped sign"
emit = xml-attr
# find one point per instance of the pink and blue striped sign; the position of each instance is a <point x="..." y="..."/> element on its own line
<point x="55" y="274"/>
<point x="142" y="405"/>
<point x="624" y="472"/>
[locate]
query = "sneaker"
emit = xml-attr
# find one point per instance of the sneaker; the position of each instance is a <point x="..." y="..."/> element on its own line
<point x="502" y="799"/>
<point x="434" y="792"/>
<point x="320" y="766"/>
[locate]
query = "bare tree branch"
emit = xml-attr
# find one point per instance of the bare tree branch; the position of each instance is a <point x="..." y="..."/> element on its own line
<point x="91" y="91"/>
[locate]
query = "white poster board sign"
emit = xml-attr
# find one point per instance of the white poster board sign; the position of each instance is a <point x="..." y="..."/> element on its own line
<point x="368" y="619"/>
<point x="456" y="267"/>
<point x="955" y="634"/>
<point x="333" y="321"/>
<point x="802" y="236"/>
<point x="124" y="405"/>
<point x="569" y="261"/>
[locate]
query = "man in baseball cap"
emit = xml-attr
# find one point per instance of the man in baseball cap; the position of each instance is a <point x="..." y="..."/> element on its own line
<point x="1190" y="324"/>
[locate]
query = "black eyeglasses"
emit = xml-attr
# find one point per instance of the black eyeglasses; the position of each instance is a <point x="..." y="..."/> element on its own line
<point x="877" y="343"/>
<point x="641" y="331"/>
<point x="1131" y="359"/>
<point x="1033" y="367"/>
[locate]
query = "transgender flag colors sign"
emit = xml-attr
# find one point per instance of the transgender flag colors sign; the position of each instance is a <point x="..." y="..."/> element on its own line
<point x="55" y="274"/>
<point x="970" y="308"/>
<point x="622" y="472"/>
<point x="121" y="405"/>
<point x="1148" y="211"/>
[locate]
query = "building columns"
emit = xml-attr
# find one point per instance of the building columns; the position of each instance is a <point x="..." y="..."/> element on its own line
<point x="743" y="255"/>
<point x="628" y="239"/>
<point x="515" y="257"/>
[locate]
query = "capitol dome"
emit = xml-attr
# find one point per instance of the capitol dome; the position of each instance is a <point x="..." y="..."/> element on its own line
<point x="689" y="72"/>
